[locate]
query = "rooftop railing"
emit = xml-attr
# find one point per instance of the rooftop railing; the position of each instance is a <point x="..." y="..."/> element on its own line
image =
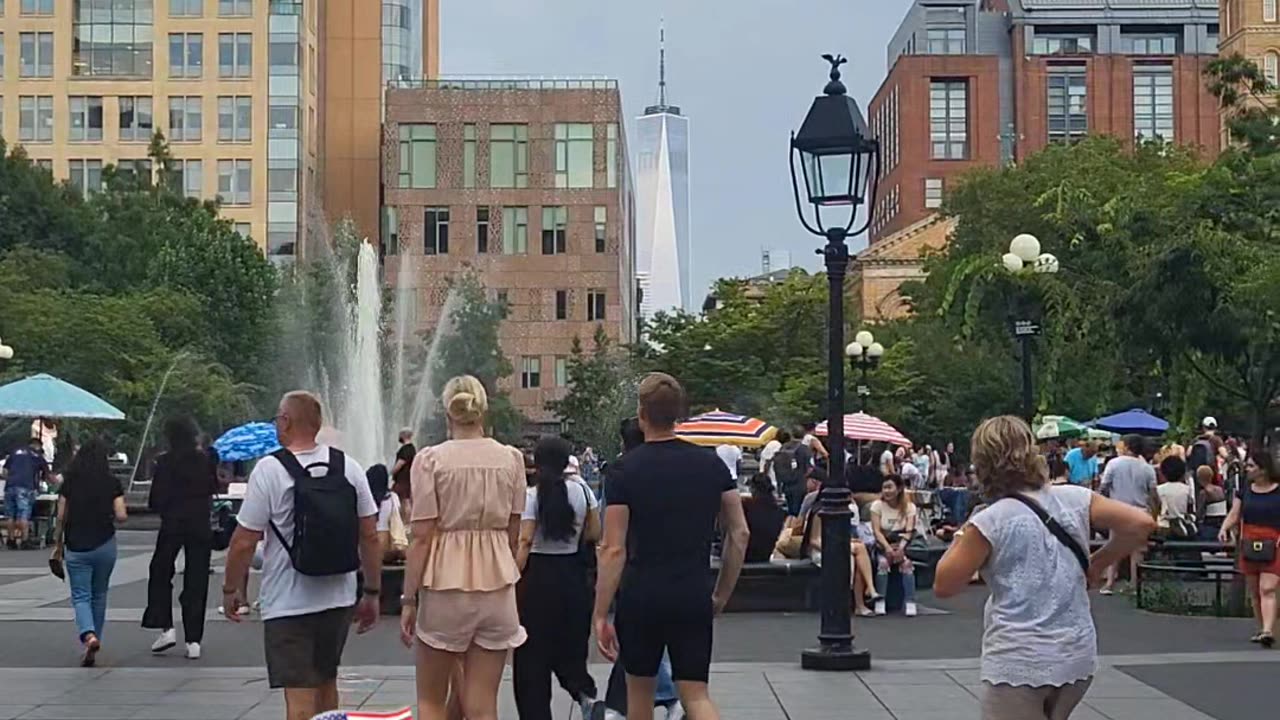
<point x="505" y="83"/>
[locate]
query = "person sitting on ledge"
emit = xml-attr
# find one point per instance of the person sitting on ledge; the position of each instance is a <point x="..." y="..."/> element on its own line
<point x="764" y="518"/>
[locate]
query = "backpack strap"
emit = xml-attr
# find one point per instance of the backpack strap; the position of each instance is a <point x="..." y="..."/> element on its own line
<point x="337" y="464"/>
<point x="297" y="472"/>
<point x="1055" y="529"/>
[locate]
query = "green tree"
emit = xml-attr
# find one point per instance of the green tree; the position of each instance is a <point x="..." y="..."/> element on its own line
<point x="602" y="392"/>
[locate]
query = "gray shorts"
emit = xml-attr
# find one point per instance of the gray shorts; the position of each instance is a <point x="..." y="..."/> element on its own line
<point x="304" y="651"/>
<point x="1022" y="702"/>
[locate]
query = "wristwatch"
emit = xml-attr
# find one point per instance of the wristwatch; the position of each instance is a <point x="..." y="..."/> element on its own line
<point x="373" y="592"/>
<point x="408" y="600"/>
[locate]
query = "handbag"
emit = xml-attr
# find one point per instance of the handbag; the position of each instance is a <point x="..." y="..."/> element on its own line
<point x="56" y="565"/>
<point x="1055" y="529"/>
<point x="1258" y="551"/>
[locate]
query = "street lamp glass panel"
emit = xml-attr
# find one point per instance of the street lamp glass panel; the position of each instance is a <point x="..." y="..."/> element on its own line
<point x="853" y="350"/>
<point x="1047" y="264"/>
<point x="1012" y="262"/>
<point x="829" y="178"/>
<point x="1026" y="247"/>
<point x="864" y="338"/>
<point x="876" y="350"/>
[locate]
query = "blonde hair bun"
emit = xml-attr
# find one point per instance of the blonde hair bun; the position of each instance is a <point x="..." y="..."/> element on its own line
<point x="465" y="400"/>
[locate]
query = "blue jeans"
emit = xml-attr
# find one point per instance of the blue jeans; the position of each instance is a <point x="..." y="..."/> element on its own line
<point x="956" y="501"/>
<point x="89" y="573"/>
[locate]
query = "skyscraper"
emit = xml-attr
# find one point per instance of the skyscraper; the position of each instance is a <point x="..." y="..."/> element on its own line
<point x="664" y="254"/>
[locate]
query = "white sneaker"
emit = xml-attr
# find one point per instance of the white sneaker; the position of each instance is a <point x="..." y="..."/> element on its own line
<point x="167" y="639"/>
<point x="909" y="609"/>
<point x="614" y="715"/>
<point x="880" y="609"/>
<point x="676" y="711"/>
<point x="193" y="651"/>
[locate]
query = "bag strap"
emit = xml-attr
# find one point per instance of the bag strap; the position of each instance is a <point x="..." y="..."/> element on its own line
<point x="297" y="472"/>
<point x="1055" y="529"/>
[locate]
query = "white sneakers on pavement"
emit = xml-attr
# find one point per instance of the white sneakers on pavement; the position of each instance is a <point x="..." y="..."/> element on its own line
<point x="193" y="651"/>
<point x="909" y="609"/>
<point x="167" y="639"/>
<point x="880" y="607"/>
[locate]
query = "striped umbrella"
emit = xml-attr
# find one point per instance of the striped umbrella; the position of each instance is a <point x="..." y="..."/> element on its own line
<point x="867" y="428"/>
<point x="722" y="428"/>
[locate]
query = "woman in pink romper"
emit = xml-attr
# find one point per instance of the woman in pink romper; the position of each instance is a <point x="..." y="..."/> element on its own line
<point x="459" y="604"/>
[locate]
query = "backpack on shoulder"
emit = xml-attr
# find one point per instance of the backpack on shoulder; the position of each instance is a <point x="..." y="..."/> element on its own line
<point x="326" y="526"/>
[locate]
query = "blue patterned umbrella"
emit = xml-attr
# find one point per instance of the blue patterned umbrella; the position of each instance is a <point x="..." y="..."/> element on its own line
<point x="247" y="442"/>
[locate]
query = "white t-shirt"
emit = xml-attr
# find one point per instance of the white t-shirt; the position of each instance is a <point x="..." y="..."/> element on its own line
<point x="1037" y="629"/>
<point x="1175" y="501"/>
<point x="580" y="497"/>
<point x="886" y="462"/>
<point x="767" y="454"/>
<point x="911" y="476"/>
<point x="730" y="455"/>
<point x="892" y="519"/>
<point x="390" y="504"/>
<point x="269" y="500"/>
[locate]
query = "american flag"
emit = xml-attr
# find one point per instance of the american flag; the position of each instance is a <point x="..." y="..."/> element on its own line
<point x="401" y="714"/>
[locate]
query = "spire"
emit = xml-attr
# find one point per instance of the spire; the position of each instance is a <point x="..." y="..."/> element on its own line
<point x="662" y="62"/>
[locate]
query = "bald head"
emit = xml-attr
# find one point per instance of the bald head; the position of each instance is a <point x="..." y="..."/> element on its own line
<point x="299" y="419"/>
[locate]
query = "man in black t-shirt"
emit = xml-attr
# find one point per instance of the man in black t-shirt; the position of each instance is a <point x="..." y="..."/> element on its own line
<point x="404" y="462"/>
<point x="664" y="501"/>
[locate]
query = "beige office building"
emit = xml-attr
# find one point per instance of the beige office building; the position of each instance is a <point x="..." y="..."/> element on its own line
<point x="236" y="87"/>
<point x="1251" y="28"/>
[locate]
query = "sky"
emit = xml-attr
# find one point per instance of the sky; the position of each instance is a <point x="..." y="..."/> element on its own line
<point x="743" y="71"/>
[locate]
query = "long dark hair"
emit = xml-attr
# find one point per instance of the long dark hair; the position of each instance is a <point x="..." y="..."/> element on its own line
<point x="181" y="434"/>
<point x="556" y="517"/>
<point x="89" y="469"/>
<point x="378" y="478"/>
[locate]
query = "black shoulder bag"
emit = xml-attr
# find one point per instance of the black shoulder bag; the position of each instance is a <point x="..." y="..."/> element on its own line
<point x="1056" y="530"/>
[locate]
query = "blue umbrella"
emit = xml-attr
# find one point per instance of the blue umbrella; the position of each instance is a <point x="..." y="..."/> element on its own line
<point x="1133" y="421"/>
<point x="247" y="442"/>
<point x="45" y="396"/>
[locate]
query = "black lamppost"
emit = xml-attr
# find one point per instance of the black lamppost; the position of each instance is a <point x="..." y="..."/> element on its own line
<point x="864" y="356"/>
<point x="1024" y="256"/>
<point x="840" y="161"/>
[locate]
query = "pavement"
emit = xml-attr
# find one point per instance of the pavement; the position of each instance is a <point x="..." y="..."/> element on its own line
<point x="924" y="668"/>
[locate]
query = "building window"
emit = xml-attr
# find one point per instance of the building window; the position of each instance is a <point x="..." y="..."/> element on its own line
<point x="186" y="8"/>
<point x="949" y="119"/>
<point x="509" y="156"/>
<point x="1068" y="104"/>
<point x="503" y="301"/>
<point x="1065" y="43"/>
<point x="35" y="118"/>
<point x="36" y="7"/>
<point x="282" y="121"/>
<point x="390" y="230"/>
<point x="136" y="124"/>
<point x="187" y="177"/>
<point x="515" y="231"/>
<point x="946" y="30"/>
<point x="235" y="8"/>
<point x="530" y="372"/>
<point x="235" y="182"/>
<point x="1153" y="102"/>
<point x="482" y="229"/>
<point x="1271" y="68"/>
<point x="282" y="57"/>
<point x="562" y="371"/>
<point x="138" y="168"/>
<point x="282" y="182"/>
<point x="186" y="119"/>
<point x="112" y="39"/>
<point x="602" y="228"/>
<point x="35" y="54"/>
<point x="435" y="236"/>
<point x="235" y="55"/>
<point x="235" y="118"/>
<point x="933" y="193"/>
<point x="1149" y="43"/>
<point x="575" y="148"/>
<point x="468" y="155"/>
<point x="244" y="229"/>
<point x="1211" y="41"/>
<point x="282" y="239"/>
<point x="1269" y="11"/>
<point x="417" y="156"/>
<point x="85" y="116"/>
<point x="595" y="305"/>
<point x="611" y="155"/>
<point x="85" y="176"/>
<point x="186" y="55"/>
<point x="562" y="304"/>
<point x="555" y="221"/>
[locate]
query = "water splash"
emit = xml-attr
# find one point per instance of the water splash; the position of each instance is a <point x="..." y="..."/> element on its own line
<point x="363" y="418"/>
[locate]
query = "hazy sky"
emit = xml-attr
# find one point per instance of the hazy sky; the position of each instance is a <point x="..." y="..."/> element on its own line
<point x="743" y="71"/>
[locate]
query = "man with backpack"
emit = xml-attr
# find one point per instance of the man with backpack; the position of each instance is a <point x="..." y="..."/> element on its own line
<point x="312" y="505"/>
<point x="790" y="464"/>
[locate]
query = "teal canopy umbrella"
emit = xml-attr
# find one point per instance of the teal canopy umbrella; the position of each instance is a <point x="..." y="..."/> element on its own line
<point x="45" y="396"/>
<point x="1059" y="426"/>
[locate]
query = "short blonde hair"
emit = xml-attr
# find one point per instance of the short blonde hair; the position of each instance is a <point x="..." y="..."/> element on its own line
<point x="1005" y="455"/>
<point x="465" y="400"/>
<point x="304" y="408"/>
<point x="662" y="401"/>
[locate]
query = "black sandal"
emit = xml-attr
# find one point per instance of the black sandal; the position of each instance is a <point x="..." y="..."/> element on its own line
<point x="1267" y="640"/>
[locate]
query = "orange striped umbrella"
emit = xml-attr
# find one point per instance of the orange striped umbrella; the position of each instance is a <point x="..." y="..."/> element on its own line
<point x="722" y="428"/>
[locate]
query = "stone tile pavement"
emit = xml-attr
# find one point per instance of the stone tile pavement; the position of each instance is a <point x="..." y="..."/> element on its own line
<point x="893" y="690"/>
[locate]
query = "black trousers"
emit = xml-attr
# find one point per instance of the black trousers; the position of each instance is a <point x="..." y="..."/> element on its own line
<point x="194" y="542"/>
<point x="555" y="609"/>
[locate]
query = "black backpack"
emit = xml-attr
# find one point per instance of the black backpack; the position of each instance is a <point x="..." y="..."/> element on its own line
<point x="326" y="526"/>
<point x="786" y="466"/>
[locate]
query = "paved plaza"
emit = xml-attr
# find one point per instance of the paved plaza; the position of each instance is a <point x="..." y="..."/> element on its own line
<point x="925" y="668"/>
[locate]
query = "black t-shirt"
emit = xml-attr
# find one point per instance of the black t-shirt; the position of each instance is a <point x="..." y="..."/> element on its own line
<point x="400" y="482"/>
<point x="673" y="491"/>
<point x="182" y="489"/>
<point x="764" y="520"/>
<point x="864" y="478"/>
<point x="90" y="518"/>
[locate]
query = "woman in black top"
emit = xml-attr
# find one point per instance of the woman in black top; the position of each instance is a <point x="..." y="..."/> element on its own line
<point x="89" y="505"/>
<point x="182" y="489"/>
<point x="764" y="518"/>
<point x="1256" y="514"/>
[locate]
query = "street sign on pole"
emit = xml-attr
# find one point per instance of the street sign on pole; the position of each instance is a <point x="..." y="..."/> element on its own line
<point x="1026" y="328"/>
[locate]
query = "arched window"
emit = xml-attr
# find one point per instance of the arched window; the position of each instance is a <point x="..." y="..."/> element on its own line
<point x="1271" y="67"/>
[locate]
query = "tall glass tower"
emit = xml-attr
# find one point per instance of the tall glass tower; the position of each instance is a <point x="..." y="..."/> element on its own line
<point x="664" y="253"/>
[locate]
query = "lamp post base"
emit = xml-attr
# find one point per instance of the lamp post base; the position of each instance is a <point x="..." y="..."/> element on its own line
<point x="834" y="660"/>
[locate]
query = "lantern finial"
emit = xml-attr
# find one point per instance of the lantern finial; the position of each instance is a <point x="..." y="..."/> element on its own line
<point x="835" y="87"/>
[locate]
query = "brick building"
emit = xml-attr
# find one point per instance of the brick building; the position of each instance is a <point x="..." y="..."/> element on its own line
<point x="525" y="181"/>
<point x="1251" y="28"/>
<point x="975" y="83"/>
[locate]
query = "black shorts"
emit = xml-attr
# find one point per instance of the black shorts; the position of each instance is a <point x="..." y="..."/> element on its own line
<point x="651" y="621"/>
<point x="304" y="651"/>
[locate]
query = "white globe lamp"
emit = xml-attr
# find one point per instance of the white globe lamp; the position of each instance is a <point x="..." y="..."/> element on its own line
<point x="1026" y="247"/>
<point x="864" y="338"/>
<point x="853" y="350"/>
<point x="1012" y="262"/>
<point x="1046" y="264"/>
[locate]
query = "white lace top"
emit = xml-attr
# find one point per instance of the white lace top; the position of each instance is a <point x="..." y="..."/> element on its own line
<point x="1037" y="626"/>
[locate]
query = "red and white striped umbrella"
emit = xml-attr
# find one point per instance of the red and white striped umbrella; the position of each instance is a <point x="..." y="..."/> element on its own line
<point x="868" y="428"/>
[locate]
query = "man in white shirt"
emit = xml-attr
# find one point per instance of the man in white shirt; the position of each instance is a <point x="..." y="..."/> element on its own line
<point x="766" y="456"/>
<point x="305" y="617"/>
<point x="730" y="455"/>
